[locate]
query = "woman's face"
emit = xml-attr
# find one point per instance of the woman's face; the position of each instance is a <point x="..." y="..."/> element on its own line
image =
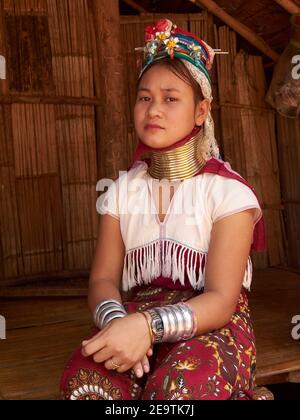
<point x="165" y="110"/>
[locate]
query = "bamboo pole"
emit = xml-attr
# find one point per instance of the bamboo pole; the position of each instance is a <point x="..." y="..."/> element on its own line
<point x="135" y="6"/>
<point x="110" y="87"/>
<point x="239" y="27"/>
<point x="289" y="6"/>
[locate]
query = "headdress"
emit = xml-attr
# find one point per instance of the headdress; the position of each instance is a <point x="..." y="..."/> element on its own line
<point x="164" y="39"/>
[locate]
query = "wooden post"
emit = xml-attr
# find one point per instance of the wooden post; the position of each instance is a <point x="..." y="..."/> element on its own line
<point x="289" y="6"/>
<point x="110" y="87"/>
<point x="239" y="27"/>
<point x="3" y="82"/>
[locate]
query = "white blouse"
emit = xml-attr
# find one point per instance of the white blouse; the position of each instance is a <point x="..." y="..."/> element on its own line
<point x="172" y="248"/>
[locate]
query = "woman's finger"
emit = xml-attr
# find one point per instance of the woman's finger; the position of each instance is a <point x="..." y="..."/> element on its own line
<point x="90" y="349"/>
<point x="145" y="364"/>
<point x="93" y="346"/>
<point x="138" y="370"/>
<point x="150" y="352"/>
<point x="102" y="355"/>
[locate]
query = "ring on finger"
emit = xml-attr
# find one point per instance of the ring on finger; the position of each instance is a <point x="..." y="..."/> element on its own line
<point x="114" y="365"/>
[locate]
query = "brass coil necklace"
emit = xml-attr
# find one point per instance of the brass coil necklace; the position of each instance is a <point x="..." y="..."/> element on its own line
<point x="181" y="163"/>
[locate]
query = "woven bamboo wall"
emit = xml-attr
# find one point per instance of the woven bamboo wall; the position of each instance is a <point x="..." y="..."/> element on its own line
<point x="249" y="136"/>
<point x="48" y="170"/>
<point x="289" y="153"/>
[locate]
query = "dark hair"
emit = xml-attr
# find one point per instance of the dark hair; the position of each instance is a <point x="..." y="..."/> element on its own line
<point x="177" y="67"/>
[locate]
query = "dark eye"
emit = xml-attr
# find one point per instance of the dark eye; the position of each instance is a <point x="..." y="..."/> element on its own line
<point x="171" y="99"/>
<point x="144" y="98"/>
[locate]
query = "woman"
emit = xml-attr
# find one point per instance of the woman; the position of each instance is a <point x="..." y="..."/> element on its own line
<point x="171" y="266"/>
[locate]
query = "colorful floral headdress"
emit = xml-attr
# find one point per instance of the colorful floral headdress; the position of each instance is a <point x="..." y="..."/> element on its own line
<point x="165" y="39"/>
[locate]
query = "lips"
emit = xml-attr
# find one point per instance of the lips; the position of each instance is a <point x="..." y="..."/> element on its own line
<point x="152" y="126"/>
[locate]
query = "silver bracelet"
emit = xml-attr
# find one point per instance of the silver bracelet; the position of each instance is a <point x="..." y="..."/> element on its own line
<point x="164" y="316"/>
<point x="108" y="317"/>
<point x="104" y="302"/>
<point x="179" y="322"/>
<point x="172" y="320"/>
<point x="111" y="316"/>
<point x="106" y="311"/>
<point x="188" y="320"/>
<point x="105" y="317"/>
<point x="109" y="305"/>
<point x="102" y="310"/>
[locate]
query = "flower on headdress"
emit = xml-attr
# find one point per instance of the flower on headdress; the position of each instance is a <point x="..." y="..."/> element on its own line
<point x="150" y="50"/>
<point x="198" y="55"/>
<point x="171" y="45"/>
<point x="151" y="47"/>
<point x="195" y="48"/>
<point x="163" y="25"/>
<point x="160" y="29"/>
<point x="162" y="36"/>
<point x="150" y="32"/>
<point x="196" y="51"/>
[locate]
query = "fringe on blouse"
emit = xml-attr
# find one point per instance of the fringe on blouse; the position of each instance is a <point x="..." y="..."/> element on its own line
<point x="169" y="259"/>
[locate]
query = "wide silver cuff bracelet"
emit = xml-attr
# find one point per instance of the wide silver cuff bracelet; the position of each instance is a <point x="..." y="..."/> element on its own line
<point x="179" y="322"/>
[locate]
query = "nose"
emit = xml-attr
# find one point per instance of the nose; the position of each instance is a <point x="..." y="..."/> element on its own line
<point x="154" y="109"/>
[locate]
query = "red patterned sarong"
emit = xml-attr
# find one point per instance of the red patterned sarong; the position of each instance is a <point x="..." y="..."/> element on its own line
<point x="219" y="365"/>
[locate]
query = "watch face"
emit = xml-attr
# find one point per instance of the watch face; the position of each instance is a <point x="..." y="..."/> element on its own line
<point x="157" y="325"/>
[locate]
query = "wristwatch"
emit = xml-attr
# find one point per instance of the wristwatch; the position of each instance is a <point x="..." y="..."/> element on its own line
<point x="157" y="325"/>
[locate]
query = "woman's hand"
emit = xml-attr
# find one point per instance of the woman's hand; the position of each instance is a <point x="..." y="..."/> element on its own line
<point x="124" y="342"/>
<point x="143" y="366"/>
